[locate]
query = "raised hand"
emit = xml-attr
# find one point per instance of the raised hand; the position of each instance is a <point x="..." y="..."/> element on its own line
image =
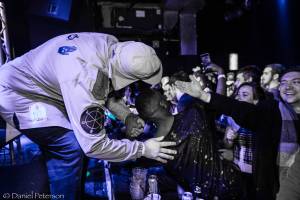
<point x="230" y="133"/>
<point x="192" y="88"/>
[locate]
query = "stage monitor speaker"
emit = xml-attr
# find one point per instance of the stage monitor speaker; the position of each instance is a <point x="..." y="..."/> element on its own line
<point x="147" y="19"/>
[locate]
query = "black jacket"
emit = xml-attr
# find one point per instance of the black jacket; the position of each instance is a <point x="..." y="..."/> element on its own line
<point x="197" y="162"/>
<point x="265" y="120"/>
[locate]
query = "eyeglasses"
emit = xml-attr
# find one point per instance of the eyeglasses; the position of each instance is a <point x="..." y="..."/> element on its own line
<point x="294" y="82"/>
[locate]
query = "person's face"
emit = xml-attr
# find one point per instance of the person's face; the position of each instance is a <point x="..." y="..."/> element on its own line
<point x="229" y="90"/>
<point x="163" y="102"/>
<point x="290" y="87"/>
<point x="169" y="92"/>
<point x="245" y="94"/>
<point x="230" y="76"/>
<point x="239" y="80"/>
<point x="266" y="77"/>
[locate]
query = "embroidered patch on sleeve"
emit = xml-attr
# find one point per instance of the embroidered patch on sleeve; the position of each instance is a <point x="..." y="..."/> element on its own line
<point x="92" y="120"/>
<point x="65" y="50"/>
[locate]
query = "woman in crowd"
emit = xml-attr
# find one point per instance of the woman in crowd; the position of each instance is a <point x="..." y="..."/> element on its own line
<point x="242" y="139"/>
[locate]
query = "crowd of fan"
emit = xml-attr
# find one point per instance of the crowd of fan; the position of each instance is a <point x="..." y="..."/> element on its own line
<point x="265" y="153"/>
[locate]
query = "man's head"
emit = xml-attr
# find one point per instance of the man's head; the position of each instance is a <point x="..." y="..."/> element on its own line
<point x="249" y="73"/>
<point x="170" y="90"/>
<point x="132" y="61"/>
<point x="230" y="83"/>
<point x="151" y="105"/>
<point x="271" y="75"/>
<point x="290" y="86"/>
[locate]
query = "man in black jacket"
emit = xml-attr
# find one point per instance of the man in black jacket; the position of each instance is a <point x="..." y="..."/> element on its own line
<point x="268" y="119"/>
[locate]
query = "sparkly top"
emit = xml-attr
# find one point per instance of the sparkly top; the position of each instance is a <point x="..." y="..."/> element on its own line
<point x="197" y="163"/>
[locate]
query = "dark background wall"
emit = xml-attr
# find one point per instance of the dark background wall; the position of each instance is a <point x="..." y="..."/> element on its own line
<point x="266" y="33"/>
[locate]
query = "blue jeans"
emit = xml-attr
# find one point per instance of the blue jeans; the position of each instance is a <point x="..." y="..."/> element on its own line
<point x="64" y="160"/>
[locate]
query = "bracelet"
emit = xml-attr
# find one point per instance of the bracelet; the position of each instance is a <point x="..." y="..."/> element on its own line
<point x="221" y="76"/>
<point x="141" y="150"/>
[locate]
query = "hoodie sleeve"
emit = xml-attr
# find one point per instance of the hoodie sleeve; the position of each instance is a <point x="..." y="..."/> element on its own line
<point x="87" y="119"/>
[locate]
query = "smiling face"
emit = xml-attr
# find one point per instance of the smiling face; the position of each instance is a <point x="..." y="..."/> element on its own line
<point x="290" y="88"/>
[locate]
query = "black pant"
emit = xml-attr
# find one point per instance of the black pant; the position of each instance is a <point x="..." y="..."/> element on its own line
<point x="248" y="187"/>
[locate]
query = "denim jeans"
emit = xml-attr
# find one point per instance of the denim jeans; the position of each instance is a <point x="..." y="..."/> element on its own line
<point x="64" y="160"/>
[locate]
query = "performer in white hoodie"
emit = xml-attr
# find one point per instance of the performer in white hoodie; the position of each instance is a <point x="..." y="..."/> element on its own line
<point x="57" y="94"/>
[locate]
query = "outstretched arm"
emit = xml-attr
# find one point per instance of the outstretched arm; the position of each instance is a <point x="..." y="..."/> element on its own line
<point x="245" y="114"/>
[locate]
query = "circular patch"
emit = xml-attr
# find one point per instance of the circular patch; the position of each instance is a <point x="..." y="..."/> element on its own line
<point x="92" y="120"/>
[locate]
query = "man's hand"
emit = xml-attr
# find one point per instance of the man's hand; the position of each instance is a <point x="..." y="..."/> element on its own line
<point x="226" y="154"/>
<point x="134" y="125"/>
<point x="193" y="89"/>
<point x="230" y="133"/>
<point x="154" y="149"/>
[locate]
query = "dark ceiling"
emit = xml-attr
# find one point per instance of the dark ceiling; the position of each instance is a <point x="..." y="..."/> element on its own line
<point x="259" y="31"/>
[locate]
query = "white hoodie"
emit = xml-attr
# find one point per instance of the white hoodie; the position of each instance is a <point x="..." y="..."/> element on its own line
<point x="55" y="85"/>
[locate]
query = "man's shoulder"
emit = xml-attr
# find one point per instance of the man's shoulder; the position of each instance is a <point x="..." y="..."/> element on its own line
<point x="192" y="112"/>
<point x="270" y="103"/>
<point x="269" y="108"/>
<point x="186" y="101"/>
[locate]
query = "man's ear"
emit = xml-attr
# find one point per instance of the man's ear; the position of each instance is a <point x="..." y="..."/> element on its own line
<point x="279" y="88"/>
<point x="275" y="76"/>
